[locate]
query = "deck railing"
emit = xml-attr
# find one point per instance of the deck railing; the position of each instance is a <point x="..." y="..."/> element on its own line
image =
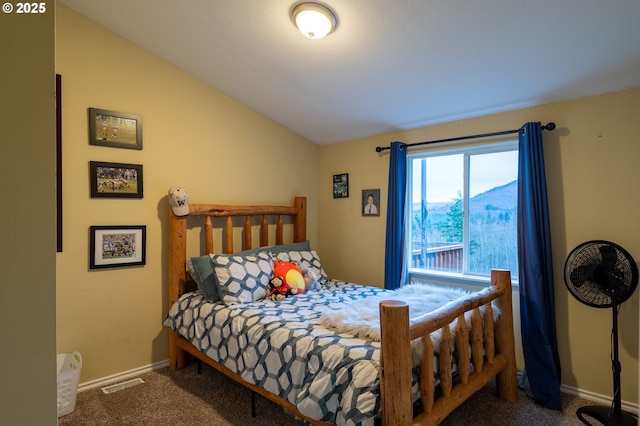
<point x="446" y="258"/>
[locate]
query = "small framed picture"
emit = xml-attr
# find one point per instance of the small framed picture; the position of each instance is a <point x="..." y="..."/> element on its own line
<point x="370" y="202"/>
<point x="341" y="185"/>
<point x="115" y="180"/>
<point x="114" y="246"/>
<point x="115" y="129"/>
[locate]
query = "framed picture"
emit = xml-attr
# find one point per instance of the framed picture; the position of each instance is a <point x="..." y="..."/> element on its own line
<point x="115" y="180"/>
<point x="370" y="202"/>
<point x="341" y="185"/>
<point x="115" y="129"/>
<point x="114" y="246"/>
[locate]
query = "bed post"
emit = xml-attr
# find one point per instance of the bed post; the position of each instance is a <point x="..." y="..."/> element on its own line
<point x="300" y="225"/>
<point x="395" y="364"/>
<point x="506" y="381"/>
<point x="177" y="280"/>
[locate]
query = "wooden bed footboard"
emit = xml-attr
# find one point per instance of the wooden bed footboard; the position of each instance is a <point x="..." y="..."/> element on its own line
<point x="485" y="350"/>
<point x="491" y="349"/>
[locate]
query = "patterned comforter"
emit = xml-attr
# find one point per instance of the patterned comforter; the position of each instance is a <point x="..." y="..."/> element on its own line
<point x="282" y="347"/>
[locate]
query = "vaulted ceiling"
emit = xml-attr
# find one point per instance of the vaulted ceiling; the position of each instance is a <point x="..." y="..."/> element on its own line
<point x="390" y="64"/>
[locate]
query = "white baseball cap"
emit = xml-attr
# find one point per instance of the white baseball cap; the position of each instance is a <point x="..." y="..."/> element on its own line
<point x="179" y="200"/>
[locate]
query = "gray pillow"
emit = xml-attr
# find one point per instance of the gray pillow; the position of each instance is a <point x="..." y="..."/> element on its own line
<point x="303" y="246"/>
<point x="201" y="270"/>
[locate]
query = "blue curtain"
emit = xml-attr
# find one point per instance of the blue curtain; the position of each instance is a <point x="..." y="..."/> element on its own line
<point x="537" y="304"/>
<point x="394" y="269"/>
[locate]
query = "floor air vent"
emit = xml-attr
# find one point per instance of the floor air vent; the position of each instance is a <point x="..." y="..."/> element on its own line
<point x="123" y="385"/>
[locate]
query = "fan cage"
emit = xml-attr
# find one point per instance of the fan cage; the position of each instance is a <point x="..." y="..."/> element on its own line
<point x="600" y="259"/>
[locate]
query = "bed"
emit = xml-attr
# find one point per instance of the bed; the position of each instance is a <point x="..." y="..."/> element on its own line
<point x="281" y="350"/>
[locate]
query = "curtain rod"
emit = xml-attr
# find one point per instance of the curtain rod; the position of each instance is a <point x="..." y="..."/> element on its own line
<point x="548" y="126"/>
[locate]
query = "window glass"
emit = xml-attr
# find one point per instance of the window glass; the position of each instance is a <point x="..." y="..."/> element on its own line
<point x="463" y="210"/>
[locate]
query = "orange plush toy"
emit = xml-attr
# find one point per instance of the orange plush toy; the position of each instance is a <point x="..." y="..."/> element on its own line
<point x="291" y="274"/>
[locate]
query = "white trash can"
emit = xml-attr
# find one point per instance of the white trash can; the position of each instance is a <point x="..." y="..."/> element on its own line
<point x="69" y="366"/>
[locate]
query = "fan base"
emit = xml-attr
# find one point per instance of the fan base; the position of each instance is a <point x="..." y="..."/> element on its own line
<point x="605" y="416"/>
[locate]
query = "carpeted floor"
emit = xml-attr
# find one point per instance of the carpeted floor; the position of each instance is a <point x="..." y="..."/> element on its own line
<point x="185" y="398"/>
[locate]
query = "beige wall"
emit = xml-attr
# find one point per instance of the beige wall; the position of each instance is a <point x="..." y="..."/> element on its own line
<point x="592" y="177"/>
<point x="27" y="252"/>
<point x="195" y="137"/>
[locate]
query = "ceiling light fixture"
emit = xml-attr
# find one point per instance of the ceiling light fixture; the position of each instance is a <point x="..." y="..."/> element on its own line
<point x="314" y="20"/>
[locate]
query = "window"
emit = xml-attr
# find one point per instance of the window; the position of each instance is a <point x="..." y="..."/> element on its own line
<point x="463" y="211"/>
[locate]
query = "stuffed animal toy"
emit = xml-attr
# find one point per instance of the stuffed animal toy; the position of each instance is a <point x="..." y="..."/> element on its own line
<point x="291" y="274"/>
<point x="277" y="289"/>
<point x="310" y="280"/>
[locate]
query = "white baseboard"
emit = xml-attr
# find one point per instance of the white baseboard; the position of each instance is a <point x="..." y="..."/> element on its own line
<point x="594" y="397"/>
<point x="598" y="398"/>
<point x="125" y="375"/>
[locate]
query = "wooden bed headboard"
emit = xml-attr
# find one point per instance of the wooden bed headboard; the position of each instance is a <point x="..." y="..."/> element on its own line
<point x="178" y="276"/>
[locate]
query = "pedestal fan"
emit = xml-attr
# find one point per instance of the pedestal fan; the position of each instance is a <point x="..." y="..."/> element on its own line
<point x="602" y="274"/>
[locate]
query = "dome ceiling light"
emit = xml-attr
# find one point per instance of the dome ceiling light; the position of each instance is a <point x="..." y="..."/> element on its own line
<point x="314" y="20"/>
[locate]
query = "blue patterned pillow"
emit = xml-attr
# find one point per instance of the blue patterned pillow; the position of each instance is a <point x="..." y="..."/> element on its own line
<point x="202" y="270"/>
<point x="242" y="278"/>
<point x="307" y="260"/>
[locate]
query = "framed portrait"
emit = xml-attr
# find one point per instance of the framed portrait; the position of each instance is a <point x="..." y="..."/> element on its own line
<point x="115" y="180"/>
<point x="115" y="129"/>
<point x="371" y="202"/>
<point x="115" y="246"/>
<point x="341" y="185"/>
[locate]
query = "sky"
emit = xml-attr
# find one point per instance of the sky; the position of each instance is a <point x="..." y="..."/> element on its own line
<point x="444" y="174"/>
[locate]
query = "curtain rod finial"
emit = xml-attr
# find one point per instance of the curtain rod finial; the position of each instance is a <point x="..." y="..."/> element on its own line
<point x="549" y="126"/>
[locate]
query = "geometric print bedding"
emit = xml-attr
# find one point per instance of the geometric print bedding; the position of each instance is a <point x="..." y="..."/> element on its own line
<point x="243" y="279"/>
<point x="308" y="260"/>
<point x="282" y="347"/>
